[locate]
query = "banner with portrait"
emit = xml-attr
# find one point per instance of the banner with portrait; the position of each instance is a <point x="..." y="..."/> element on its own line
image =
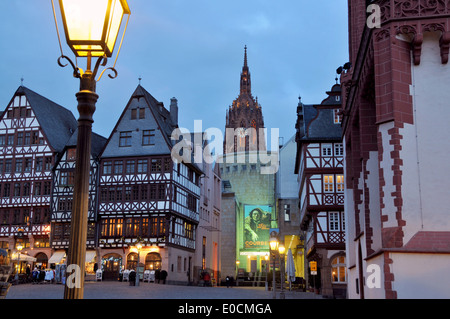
<point x="257" y="226"/>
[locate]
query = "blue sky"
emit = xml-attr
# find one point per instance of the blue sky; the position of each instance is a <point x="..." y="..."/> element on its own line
<point x="192" y="50"/>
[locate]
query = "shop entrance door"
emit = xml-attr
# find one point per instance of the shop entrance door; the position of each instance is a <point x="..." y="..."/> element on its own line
<point x="111" y="265"/>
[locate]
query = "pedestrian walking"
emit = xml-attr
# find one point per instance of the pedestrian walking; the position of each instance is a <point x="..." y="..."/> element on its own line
<point x="228" y="281"/>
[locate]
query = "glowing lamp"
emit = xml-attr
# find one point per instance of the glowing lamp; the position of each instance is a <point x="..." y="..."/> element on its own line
<point x="281" y="249"/>
<point x="92" y="26"/>
<point x="273" y="243"/>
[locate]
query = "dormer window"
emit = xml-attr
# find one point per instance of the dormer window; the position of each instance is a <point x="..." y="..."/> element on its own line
<point x="337" y="116"/>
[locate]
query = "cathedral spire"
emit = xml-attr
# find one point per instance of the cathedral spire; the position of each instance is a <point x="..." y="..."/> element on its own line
<point x="246" y="87"/>
<point x="245" y="57"/>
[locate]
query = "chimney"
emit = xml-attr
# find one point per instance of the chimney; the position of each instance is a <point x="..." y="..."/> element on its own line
<point x="174" y="110"/>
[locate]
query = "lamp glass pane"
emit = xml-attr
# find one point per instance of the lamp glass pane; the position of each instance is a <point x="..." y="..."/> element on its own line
<point x="85" y="19"/>
<point x="115" y="21"/>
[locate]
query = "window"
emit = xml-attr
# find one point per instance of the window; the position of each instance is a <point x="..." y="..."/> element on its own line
<point x="142" y="166"/>
<point x="328" y="184"/>
<point x="127" y="193"/>
<point x="26" y="189"/>
<point x="112" y="194"/>
<point x="35" y="137"/>
<point x="107" y="168"/>
<point x="6" y="190"/>
<point x="326" y="150"/>
<point x="18" y="166"/>
<point x="153" y="261"/>
<point x="37" y="188"/>
<point x="142" y="113"/>
<point x="71" y="154"/>
<point x="287" y="213"/>
<point x="133" y="114"/>
<point x="118" y="167"/>
<point x="338" y="270"/>
<point x="28" y="165"/>
<point x="144" y="192"/>
<point x="47" y="188"/>
<point x="118" y="194"/>
<point x="103" y="194"/>
<point x="2" y="140"/>
<point x="125" y="139"/>
<point x="20" y="139"/>
<point x="10" y="140"/>
<point x="64" y="178"/>
<point x="27" y="138"/>
<point x="156" y="165"/>
<point x="337" y="116"/>
<point x="16" y="190"/>
<point x="148" y="137"/>
<point x="39" y="164"/>
<point x="339" y="183"/>
<point x="48" y="163"/>
<point x="8" y="165"/>
<point x="130" y="167"/>
<point x="338" y="149"/>
<point x="333" y="221"/>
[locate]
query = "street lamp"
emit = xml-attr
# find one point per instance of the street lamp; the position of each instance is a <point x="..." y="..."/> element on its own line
<point x="282" y="250"/>
<point x="266" y="257"/>
<point x="237" y="269"/>
<point x="19" y="249"/>
<point x="138" y="247"/>
<point x="91" y="28"/>
<point x="273" y="243"/>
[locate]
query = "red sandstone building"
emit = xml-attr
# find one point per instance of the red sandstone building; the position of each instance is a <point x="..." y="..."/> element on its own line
<point x="395" y="131"/>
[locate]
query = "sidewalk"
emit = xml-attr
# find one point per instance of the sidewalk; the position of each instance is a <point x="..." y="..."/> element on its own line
<point x="122" y="290"/>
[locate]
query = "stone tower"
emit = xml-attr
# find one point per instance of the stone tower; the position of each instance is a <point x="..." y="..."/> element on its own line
<point x="244" y="118"/>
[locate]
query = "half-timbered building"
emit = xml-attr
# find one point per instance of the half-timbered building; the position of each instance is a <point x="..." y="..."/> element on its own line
<point x="319" y="165"/>
<point x="144" y="196"/>
<point x="62" y="197"/>
<point x="33" y="131"/>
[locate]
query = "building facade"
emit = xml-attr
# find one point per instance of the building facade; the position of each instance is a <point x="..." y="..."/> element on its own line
<point x="146" y="197"/>
<point x="319" y="165"/>
<point x="139" y="194"/>
<point x="288" y="206"/>
<point x="395" y="104"/>
<point x="33" y="131"/>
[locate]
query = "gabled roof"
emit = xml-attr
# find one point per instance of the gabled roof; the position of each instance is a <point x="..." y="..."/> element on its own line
<point x="316" y="122"/>
<point x="57" y="123"/>
<point x="160" y="113"/>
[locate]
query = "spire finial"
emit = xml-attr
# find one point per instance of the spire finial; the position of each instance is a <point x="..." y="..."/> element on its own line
<point x="140" y="79"/>
<point x="245" y="56"/>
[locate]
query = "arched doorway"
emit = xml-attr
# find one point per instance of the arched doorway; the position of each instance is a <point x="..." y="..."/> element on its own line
<point x="41" y="261"/>
<point x="132" y="259"/>
<point x="111" y="265"/>
<point x="153" y="261"/>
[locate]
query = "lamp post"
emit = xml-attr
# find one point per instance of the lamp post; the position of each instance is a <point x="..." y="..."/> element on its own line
<point x="266" y="257"/>
<point x="237" y="269"/>
<point x="273" y="243"/>
<point x="282" y="250"/>
<point x="91" y="28"/>
<point x="138" y="247"/>
<point x="19" y="249"/>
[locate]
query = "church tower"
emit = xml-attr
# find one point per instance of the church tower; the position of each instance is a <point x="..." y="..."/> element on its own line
<point x="244" y="118"/>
